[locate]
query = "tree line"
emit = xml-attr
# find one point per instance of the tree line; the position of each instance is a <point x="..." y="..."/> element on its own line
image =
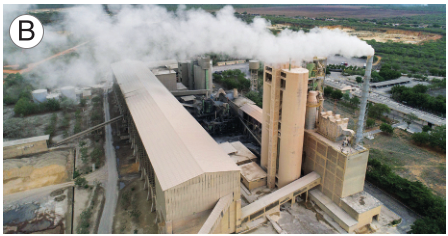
<point x="418" y="98"/>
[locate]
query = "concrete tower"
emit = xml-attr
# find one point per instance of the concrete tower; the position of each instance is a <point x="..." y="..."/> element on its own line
<point x="284" y="108"/>
<point x="253" y="68"/>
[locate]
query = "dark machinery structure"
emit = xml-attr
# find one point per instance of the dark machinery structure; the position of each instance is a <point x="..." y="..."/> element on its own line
<point x="214" y="114"/>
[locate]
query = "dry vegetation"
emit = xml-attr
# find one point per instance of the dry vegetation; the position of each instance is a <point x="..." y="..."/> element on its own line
<point x="409" y="160"/>
<point x="328" y="11"/>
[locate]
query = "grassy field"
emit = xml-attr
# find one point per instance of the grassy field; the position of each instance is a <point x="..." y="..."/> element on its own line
<point x="409" y="160"/>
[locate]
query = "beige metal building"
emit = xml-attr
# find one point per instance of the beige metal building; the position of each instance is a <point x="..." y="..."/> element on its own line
<point x="20" y="147"/>
<point x="189" y="179"/>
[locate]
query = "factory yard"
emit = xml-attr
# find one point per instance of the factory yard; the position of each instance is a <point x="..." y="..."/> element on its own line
<point x="409" y="160"/>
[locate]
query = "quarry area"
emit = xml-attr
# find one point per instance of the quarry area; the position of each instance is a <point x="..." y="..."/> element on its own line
<point x="189" y="137"/>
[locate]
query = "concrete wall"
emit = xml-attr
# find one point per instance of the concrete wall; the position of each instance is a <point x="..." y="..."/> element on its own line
<point x="184" y="68"/>
<point x="24" y="149"/>
<point x="168" y="80"/>
<point x="253" y="184"/>
<point x="342" y="175"/>
<point x="199" y="77"/>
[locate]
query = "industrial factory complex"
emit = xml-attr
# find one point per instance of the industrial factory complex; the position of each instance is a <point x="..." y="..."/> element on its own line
<point x="196" y="185"/>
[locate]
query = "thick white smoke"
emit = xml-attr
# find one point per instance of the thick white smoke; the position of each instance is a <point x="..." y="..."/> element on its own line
<point x="152" y="33"/>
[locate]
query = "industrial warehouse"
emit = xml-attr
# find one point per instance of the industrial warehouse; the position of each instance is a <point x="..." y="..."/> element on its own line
<point x="196" y="185"/>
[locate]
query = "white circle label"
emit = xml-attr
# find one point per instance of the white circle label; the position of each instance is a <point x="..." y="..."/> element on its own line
<point x="26" y="31"/>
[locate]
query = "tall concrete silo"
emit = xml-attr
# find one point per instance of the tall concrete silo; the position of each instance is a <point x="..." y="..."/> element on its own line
<point x="253" y="69"/>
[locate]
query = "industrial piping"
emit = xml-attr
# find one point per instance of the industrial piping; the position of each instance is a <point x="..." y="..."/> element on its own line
<point x="364" y="95"/>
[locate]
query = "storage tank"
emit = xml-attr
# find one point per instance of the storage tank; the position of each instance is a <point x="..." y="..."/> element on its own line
<point x="54" y="96"/>
<point x="69" y="92"/>
<point x="39" y="95"/>
<point x="254" y="65"/>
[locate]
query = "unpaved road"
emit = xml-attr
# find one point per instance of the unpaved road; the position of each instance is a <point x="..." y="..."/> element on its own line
<point x="407" y="216"/>
<point x="111" y="187"/>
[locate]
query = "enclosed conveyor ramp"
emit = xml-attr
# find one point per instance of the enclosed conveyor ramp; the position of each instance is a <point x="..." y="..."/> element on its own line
<point x="271" y="203"/>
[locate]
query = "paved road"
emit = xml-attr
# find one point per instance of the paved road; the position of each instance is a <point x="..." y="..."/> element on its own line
<point x="408" y="217"/>
<point x="111" y="186"/>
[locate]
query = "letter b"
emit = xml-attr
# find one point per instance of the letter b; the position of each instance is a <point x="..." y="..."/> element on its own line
<point x="21" y="29"/>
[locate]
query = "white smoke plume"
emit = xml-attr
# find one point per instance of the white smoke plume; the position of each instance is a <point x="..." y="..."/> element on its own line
<point x="152" y="33"/>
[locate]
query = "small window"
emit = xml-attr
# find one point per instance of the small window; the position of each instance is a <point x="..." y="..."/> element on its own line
<point x="282" y="83"/>
<point x="268" y="77"/>
<point x="268" y="68"/>
<point x="283" y="74"/>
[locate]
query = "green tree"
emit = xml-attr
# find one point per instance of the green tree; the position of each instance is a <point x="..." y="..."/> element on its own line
<point x="420" y="88"/>
<point x="83" y="102"/>
<point x="24" y="107"/>
<point x="377" y="110"/>
<point x="387" y="128"/>
<point x="328" y="90"/>
<point x="355" y="101"/>
<point x="358" y="79"/>
<point x="420" y="138"/>
<point x="438" y="137"/>
<point x="336" y="94"/>
<point x="53" y="104"/>
<point x="426" y="128"/>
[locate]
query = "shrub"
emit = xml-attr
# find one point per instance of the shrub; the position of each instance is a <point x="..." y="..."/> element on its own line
<point x="81" y="182"/>
<point x="370" y="123"/>
<point x="387" y="128"/>
<point x="358" y="79"/>
<point x="337" y="94"/>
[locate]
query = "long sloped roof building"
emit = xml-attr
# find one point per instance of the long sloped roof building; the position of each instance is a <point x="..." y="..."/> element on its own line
<point x="185" y="170"/>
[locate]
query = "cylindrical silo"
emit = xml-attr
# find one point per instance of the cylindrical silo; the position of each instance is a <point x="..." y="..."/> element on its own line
<point x="39" y="95"/>
<point x="311" y="110"/>
<point x="253" y="70"/>
<point x="69" y="92"/>
<point x="294" y="86"/>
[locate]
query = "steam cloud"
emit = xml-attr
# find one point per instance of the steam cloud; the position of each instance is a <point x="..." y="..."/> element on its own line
<point x="150" y="32"/>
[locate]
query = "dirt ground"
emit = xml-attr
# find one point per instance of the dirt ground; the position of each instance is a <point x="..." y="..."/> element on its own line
<point x="37" y="171"/>
<point x="329" y="11"/>
<point x="409" y="160"/>
<point x="91" y="197"/>
<point x="127" y="220"/>
<point x="395" y="35"/>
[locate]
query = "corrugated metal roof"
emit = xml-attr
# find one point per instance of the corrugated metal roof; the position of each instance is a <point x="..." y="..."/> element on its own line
<point x="254" y="111"/>
<point x="178" y="147"/>
<point x="227" y="147"/>
<point x="25" y="140"/>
